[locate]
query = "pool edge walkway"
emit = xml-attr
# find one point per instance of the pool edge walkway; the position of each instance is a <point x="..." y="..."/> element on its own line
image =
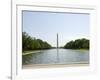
<point x="36" y="66"/>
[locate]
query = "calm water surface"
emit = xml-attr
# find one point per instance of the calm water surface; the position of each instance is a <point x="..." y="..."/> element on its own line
<point x="54" y="56"/>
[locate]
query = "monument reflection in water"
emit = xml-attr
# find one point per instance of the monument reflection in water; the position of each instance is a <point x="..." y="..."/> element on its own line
<point x="57" y="49"/>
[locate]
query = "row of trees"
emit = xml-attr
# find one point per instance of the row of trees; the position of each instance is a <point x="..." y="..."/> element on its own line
<point x="29" y="43"/>
<point x="78" y="44"/>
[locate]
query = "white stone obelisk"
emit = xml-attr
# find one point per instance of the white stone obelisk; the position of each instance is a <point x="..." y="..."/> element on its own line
<point x="57" y="42"/>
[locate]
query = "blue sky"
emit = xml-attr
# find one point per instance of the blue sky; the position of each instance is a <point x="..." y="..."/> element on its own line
<point x="46" y="25"/>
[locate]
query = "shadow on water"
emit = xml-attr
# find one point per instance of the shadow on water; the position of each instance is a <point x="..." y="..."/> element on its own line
<point x="26" y="59"/>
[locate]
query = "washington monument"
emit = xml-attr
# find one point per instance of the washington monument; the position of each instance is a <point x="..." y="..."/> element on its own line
<point x="57" y="42"/>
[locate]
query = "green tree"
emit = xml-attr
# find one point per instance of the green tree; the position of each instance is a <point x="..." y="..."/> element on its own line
<point x="30" y="43"/>
<point x="78" y="44"/>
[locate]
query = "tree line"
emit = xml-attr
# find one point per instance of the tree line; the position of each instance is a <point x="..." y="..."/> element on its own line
<point x="30" y="43"/>
<point x="77" y="44"/>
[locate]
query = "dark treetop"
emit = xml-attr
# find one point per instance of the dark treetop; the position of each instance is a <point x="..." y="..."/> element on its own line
<point x="30" y="43"/>
<point x="78" y="44"/>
